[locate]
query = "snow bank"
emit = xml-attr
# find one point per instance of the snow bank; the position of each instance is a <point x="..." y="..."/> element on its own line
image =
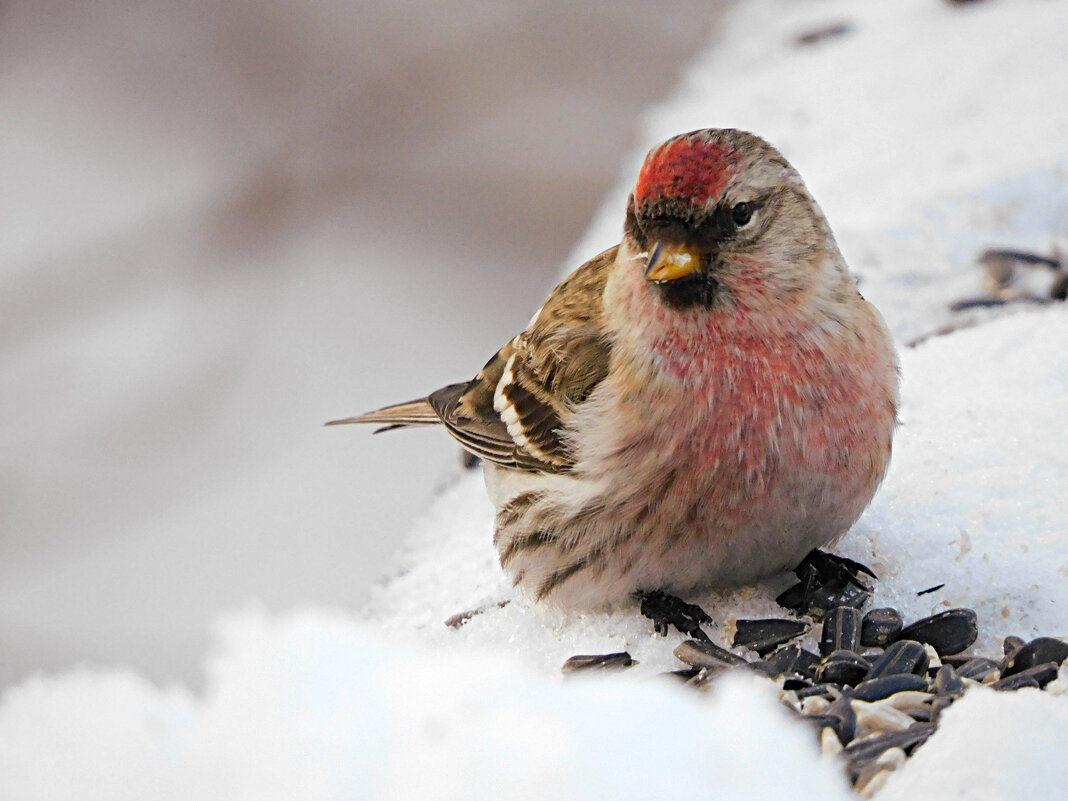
<point x="971" y="759"/>
<point x="927" y="132"/>
<point x="317" y="706"/>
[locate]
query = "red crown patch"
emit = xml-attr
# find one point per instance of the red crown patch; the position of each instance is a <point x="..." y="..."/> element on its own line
<point x="688" y="168"/>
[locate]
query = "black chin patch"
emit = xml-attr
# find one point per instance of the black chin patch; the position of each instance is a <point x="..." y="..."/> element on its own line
<point x="699" y="289"/>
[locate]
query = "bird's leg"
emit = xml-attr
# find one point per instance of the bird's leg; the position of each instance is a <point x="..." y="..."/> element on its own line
<point x="668" y="610"/>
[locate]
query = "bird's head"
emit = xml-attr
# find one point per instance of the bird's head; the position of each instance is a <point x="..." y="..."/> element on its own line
<point x="725" y="221"/>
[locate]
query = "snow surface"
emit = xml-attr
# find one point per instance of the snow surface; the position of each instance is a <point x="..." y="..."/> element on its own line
<point x="927" y="133"/>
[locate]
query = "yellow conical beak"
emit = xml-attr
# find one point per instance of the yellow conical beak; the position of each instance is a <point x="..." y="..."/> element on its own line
<point x="672" y="262"/>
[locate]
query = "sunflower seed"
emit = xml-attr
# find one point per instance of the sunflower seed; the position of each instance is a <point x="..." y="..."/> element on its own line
<point x="1036" y="652"/>
<point x="840" y="717"/>
<point x="702" y="654"/>
<point x="948" y="682"/>
<point x="880" y="627"/>
<point x="1018" y="681"/>
<point x="841" y="630"/>
<point x="977" y="668"/>
<point x="903" y="656"/>
<point x="583" y="662"/>
<point x="885" y="686"/>
<point x="1041" y="675"/>
<point x="1012" y="644"/>
<point x="950" y="632"/>
<point x="843" y="667"/>
<point x="763" y="636"/>
<point x="862" y="752"/>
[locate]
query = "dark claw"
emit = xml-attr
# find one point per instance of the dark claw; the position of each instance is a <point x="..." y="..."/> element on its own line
<point x="667" y="610"/>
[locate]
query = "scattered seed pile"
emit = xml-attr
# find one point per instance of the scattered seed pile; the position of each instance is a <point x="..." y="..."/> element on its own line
<point x="875" y="690"/>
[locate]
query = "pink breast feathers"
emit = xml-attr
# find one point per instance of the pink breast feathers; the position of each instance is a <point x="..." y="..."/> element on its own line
<point x="688" y="168"/>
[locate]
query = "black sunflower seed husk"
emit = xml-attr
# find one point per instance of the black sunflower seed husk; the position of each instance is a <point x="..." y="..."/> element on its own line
<point x="706" y="676"/>
<point x="806" y="664"/>
<point x="763" y="636"/>
<point x="861" y="752"/>
<point x="705" y="654"/>
<point x="885" y="686"/>
<point x="948" y="632"/>
<point x="826" y="581"/>
<point x="840" y="717"/>
<point x="880" y="627"/>
<point x="793" y="660"/>
<point x="784" y="659"/>
<point x="948" y="682"/>
<point x="977" y="668"/>
<point x="1039" y="651"/>
<point x="1041" y="675"/>
<point x="584" y="662"/>
<point x="841" y="630"/>
<point x="843" y="667"/>
<point x="765" y="668"/>
<point x="1012" y="644"/>
<point x="1019" y="681"/>
<point x="903" y="656"/>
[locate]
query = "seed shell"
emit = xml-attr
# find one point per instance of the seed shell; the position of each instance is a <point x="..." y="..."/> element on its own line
<point x="977" y="669"/>
<point x="862" y="752"/>
<point x="763" y="636"/>
<point x="708" y="655"/>
<point x="950" y="632"/>
<point x="880" y="627"/>
<point x="1013" y="644"/>
<point x="948" y="682"/>
<point x="1036" y="652"/>
<point x="903" y="656"/>
<point x="583" y="662"/>
<point x="1041" y="675"/>
<point x="843" y="667"/>
<point x="784" y="659"/>
<point x="885" y="686"/>
<point x="1019" y="681"/>
<point x="841" y="630"/>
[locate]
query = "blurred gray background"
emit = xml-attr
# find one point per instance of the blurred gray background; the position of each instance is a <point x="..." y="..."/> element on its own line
<point x="223" y="223"/>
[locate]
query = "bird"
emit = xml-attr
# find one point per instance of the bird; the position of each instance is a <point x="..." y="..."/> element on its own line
<point x="695" y="408"/>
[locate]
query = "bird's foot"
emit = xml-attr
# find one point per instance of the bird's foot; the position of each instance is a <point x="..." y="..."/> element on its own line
<point x="668" y="610"/>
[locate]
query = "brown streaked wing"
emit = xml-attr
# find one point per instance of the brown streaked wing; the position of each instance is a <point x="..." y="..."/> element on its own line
<point x="556" y="363"/>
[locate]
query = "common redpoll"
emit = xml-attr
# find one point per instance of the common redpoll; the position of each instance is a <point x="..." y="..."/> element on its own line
<point x="699" y="406"/>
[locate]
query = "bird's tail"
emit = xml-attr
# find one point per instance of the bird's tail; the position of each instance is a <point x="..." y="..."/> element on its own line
<point x="399" y="415"/>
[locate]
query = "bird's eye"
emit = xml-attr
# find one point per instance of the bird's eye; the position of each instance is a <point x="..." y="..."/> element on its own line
<point x="741" y="214"/>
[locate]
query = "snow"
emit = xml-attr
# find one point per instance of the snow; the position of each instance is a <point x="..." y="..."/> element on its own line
<point x="317" y="706"/>
<point x="927" y="133"/>
<point x="971" y="757"/>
